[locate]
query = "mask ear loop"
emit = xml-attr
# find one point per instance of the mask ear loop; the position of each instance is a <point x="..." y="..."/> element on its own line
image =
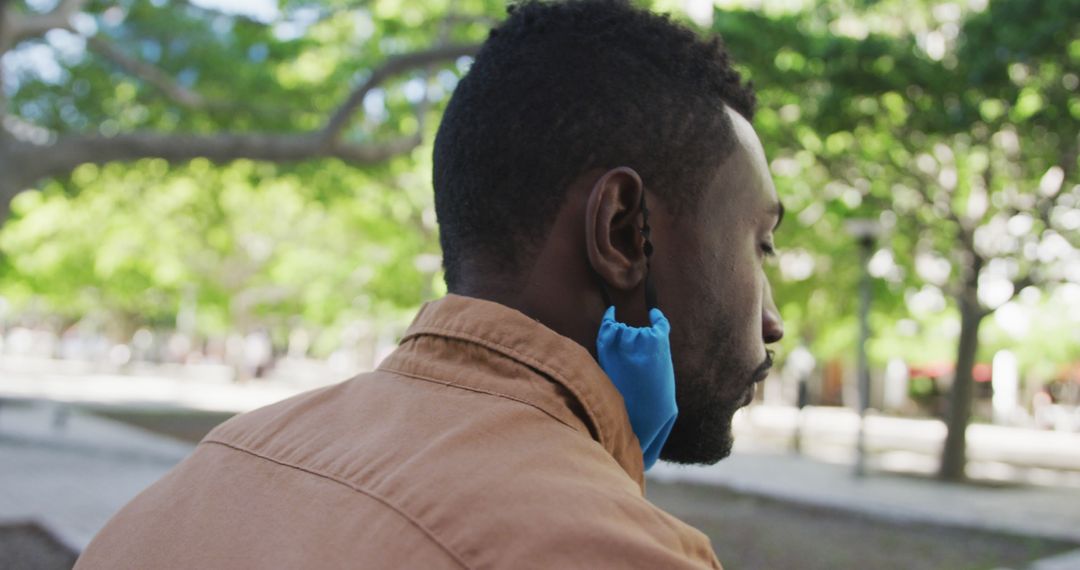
<point x="603" y="291"/>
<point x="650" y="289"/>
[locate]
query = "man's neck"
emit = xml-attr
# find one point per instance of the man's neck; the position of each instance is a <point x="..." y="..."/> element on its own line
<point x="549" y="308"/>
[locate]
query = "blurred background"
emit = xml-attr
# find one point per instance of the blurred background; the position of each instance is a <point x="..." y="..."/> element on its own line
<point x="210" y="205"/>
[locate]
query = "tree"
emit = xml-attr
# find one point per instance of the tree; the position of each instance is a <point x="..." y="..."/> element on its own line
<point x="244" y="245"/>
<point x="969" y="148"/>
<point x="270" y="170"/>
<point x="956" y="129"/>
<point x="193" y="83"/>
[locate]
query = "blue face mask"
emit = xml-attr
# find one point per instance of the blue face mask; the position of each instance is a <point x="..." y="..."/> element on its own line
<point x="638" y="361"/>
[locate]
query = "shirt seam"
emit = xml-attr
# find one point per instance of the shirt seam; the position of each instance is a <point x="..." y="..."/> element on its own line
<point x="579" y="392"/>
<point x="355" y="488"/>
<point x="449" y="384"/>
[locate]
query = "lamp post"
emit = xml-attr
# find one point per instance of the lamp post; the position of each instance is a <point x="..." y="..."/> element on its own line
<point x="865" y="231"/>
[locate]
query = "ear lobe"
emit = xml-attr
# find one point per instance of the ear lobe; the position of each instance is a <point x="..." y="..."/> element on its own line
<point x="613" y="221"/>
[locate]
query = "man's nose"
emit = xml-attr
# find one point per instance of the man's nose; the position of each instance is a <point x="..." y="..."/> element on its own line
<point x="772" y="326"/>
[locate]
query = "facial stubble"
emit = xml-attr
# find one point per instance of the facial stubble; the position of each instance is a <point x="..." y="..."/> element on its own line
<point x="708" y="393"/>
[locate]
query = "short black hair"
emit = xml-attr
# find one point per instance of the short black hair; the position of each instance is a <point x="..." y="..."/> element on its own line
<point x="560" y="88"/>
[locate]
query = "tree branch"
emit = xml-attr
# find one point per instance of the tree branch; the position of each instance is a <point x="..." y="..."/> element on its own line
<point x="1028" y="279"/>
<point x="19" y="129"/>
<point x="67" y="152"/>
<point x="20" y="27"/>
<point x="964" y="234"/>
<point x="1069" y="156"/>
<point x="175" y="92"/>
<point x="1044" y="205"/>
<point x="4" y="16"/>
<point x="464" y="18"/>
<point x="393" y="66"/>
<point x="148" y="73"/>
<point x="31" y="158"/>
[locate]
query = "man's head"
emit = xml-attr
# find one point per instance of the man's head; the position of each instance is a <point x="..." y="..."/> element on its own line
<point x="571" y="112"/>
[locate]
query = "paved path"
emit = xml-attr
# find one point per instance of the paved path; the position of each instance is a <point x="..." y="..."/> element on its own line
<point x="1049" y="512"/>
<point x="828" y="433"/>
<point x="1001" y="453"/>
<point x="73" y="480"/>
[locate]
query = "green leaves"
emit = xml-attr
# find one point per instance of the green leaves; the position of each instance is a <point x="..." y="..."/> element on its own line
<point x="868" y="125"/>
<point x="253" y="243"/>
<point x="257" y="244"/>
<point x="857" y="116"/>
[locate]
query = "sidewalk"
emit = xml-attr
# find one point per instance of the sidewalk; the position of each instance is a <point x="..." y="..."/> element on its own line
<point x="72" y="481"/>
<point x="1046" y="512"/>
<point x="1028" y="480"/>
<point x="160" y="386"/>
<point x="909" y="445"/>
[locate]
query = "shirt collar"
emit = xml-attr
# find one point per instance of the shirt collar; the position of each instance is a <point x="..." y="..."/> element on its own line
<point x="555" y="357"/>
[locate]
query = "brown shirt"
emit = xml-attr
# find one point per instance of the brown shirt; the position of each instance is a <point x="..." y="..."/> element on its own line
<point x="485" y="440"/>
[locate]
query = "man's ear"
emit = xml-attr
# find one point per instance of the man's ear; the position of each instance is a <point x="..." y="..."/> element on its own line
<point x="613" y="220"/>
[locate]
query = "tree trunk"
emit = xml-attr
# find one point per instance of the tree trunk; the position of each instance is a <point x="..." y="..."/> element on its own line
<point x="954" y="454"/>
<point x="9" y="185"/>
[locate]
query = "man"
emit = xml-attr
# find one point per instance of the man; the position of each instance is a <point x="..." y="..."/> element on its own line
<point x="597" y="183"/>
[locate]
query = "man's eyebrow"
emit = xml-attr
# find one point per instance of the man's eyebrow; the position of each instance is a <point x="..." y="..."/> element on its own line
<point x="778" y="210"/>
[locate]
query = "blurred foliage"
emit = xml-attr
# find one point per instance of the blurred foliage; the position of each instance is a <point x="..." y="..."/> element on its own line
<point x="253" y="242"/>
<point x="944" y="126"/>
<point x="250" y="244"/>
<point x="921" y="115"/>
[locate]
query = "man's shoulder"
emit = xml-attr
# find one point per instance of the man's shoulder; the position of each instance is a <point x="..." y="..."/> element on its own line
<point x="469" y="478"/>
<point x="426" y="434"/>
<point x="554" y="504"/>
<point x="384" y="420"/>
<point x="496" y="481"/>
<point x="575" y="513"/>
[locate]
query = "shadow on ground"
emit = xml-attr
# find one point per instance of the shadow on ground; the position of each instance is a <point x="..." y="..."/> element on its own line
<point x="750" y="533"/>
<point x="27" y="546"/>
<point x="182" y="424"/>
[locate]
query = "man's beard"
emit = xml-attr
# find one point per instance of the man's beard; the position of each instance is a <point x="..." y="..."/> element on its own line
<point x="702" y="434"/>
